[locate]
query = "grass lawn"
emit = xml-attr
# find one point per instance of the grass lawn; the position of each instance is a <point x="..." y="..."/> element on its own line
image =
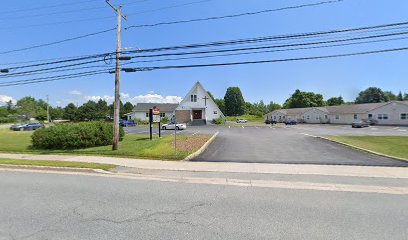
<point x="106" y="167"/>
<point x="393" y="146"/>
<point x="133" y="146"/>
<point x="250" y="118"/>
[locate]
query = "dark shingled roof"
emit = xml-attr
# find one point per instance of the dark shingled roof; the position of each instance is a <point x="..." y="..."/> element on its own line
<point x="164" y="107"/>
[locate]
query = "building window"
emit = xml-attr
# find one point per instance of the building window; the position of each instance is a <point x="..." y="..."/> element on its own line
<point x="130" y="117"/>
<point x="308" y="117"/>
<point x="274" y="117"/>
<point x="370" y="116"/>
<point x="284" y="117"/>
<point x="147" y="114"/>
<point x="162" y="114"/>
<point x="215" y="112"/>
<point x="383" y="116"/>
<point x="337" y="117"/>
<point x="404" y="116"/>
<point x="326" y="117"/>
<point x="355" y="116"/>
<point x="193" y="98"/>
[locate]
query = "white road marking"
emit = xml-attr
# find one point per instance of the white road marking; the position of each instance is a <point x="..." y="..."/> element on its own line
<point x="243" y="127"/>
<point x="309" y="135"/>
<point x="195" y="133"/>
<point x="402" y="130"/>
<point x="396" y="128"/>
<point x="240" y="182"/>
<point x="229" y="126"/>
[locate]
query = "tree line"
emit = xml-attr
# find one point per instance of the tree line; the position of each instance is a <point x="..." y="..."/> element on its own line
<point x="233" y="103"/>
<point x="29" y="107"/>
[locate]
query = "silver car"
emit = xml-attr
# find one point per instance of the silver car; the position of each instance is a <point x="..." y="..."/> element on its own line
<point x="360" y="124"/>
<point x="171" y="126"/>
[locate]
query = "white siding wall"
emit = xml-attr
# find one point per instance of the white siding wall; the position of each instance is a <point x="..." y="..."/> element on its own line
<point x="394" y="111"/>
<point x="315" y="116"/>
<point x="346" y="118"/>
<point x="277" y="116"/>
<point x="210" y="111"/>
<point x="142" y="116"/>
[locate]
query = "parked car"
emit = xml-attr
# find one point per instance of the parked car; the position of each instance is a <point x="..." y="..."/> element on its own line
<point x="125" y="123"/>
<point x="270" y="121"/>
<point x="290" y="122"/>
<point x="360" y="124"/>
<point x="171" y="126"/>
<point x="372" y="121"/>
<point x="241" y="120"/>
<point x="26" y="126"/>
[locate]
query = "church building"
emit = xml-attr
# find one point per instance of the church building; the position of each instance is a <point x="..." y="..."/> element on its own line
<point x="197" y="107"/>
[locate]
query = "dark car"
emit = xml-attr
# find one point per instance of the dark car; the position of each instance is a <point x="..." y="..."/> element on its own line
<point x="290" y="122"/>
<point x="270" y="121"/>
<point x="360" y="124"/>
<point x="125" y="123"/>
<point x="26" y="126"/>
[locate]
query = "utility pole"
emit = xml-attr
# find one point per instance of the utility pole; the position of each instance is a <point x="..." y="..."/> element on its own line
<point x="48" y="109"/>
<point x="118" y="10"/>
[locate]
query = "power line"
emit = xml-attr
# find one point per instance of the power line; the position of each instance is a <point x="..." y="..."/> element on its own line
<point x="242" y="41"/>
<point x="234" y="15"/>
<point x="57" y="42"/>
<point x="270" y="38"/>
<point x="270" y="46"/>
<point x="47" y="7"/>
<point x="97" y="18"/>
<point x="55" y="78"/>
<point x="375" y="28"/>
<point x="272" y="60"/>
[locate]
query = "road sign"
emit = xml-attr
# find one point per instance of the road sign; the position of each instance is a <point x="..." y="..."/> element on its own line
<point x="156" y="118"/>
<point x="155" y="111"/>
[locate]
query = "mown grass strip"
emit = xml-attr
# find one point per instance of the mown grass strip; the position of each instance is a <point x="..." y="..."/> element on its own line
<point x="46" y="163"/>
<point x="395" y="146"/>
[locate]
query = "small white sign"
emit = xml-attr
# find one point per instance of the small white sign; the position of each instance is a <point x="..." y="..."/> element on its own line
<point x="156" y="118"/>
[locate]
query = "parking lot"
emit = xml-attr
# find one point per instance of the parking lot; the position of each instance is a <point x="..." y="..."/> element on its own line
<point x="287" y="144"/>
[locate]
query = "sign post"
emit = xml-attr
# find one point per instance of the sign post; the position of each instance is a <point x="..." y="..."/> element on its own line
<point x="155" y="118"/>
<point x="150" y="123"/>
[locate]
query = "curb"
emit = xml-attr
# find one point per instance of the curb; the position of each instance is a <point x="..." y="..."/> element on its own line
<point x="362" y="149"/>
<point x="202" y="149"/>
<point x="57" y="169"/>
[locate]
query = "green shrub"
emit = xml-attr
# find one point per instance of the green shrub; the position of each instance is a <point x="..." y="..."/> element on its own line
<point x="164" y="119"/>
<point x="8" y="119"/>
<point x="219" y="121"/>
<point x="75" y="135"/>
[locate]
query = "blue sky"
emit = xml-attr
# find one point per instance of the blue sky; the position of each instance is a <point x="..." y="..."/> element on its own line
<point x="268" y="82"/>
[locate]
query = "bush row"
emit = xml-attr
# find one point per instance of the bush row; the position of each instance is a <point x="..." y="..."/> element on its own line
<point x="8" y="119"/>
<point x="75" y="135"/>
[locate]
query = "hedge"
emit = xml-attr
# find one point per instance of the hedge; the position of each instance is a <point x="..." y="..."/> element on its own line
<point x="8" y="119"/>
<point x="74" y="135"/>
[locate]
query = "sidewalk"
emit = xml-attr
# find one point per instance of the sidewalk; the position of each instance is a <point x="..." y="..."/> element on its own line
<point x="295" y="169"/>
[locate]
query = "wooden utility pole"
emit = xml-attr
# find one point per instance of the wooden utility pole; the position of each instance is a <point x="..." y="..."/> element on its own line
<point x="48" y="110"/>
<point x="115" y="141"/>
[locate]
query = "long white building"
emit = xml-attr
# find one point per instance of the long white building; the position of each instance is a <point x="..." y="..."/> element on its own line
<point x="388" y="113"/>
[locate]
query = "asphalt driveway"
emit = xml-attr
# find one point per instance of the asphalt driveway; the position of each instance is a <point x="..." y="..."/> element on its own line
<point x="293" y="145"/>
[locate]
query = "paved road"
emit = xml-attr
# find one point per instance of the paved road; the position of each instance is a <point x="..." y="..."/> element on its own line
<point x="47" y="206"/>
<point x="293" y="145"/>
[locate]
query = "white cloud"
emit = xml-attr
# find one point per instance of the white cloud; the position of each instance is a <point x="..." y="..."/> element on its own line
<point x="75" y="92"/>
<point x="4" y="99"/>
<point x="148" y="98"/>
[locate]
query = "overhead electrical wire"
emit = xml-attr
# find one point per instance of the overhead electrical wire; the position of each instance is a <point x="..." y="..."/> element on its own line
<point x="38" y="80"/>
<point x="393" y="26"/>
<point x="181" y="21"/>
<point x="252" y="40"/>
<point x="234" y="15"/>
<point x="57" y="42"/>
